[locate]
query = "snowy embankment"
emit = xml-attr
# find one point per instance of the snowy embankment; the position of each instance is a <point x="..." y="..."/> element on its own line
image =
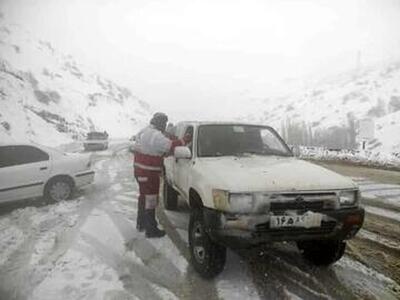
<point x="359" y="157"/>
<point x="49" y="98"/>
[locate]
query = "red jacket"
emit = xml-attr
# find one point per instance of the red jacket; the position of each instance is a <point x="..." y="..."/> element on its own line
<point x="150" y="148"/>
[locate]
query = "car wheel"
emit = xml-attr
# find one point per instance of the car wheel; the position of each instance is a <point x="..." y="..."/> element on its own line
<point x="322" y="253"/>
<point x="170" y="196"/>
<point x="59" y="189"/>
<point x="207" y="257"/>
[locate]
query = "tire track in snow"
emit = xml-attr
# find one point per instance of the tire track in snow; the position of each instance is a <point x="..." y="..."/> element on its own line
<point x="279" y="268"/>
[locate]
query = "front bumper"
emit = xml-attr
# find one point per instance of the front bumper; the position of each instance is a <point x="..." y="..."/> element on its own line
<point x="252" y="230"/>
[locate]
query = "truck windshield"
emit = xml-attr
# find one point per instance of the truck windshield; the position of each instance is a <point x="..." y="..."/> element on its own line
<point x="238" y="140"/>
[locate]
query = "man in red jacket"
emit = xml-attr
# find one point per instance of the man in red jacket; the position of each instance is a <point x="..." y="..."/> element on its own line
<point x="150" y="148"/>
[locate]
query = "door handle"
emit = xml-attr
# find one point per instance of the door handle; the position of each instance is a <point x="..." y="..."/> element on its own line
<point x="43" y="168"/>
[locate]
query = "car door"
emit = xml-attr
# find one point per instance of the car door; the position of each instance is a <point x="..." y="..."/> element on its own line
<point x="24" y="170"/>
<point x="182" y="166"/>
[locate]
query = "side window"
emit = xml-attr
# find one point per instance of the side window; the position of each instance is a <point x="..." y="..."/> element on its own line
<point x="271" y="141"/>
<point x="20" y="155"/>
<point x="179" y="131"/>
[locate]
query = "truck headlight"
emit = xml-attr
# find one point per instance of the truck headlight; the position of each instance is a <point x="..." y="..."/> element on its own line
<point x="233" y="202"/>
<point x="348" y="198"/>
<point x="241" y="203"/>
<point x="221" y="199"/>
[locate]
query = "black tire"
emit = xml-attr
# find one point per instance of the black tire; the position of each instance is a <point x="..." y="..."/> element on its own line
<point x="170" y="196"/>
<point x="207" y="257"/>
<point x="322" y="253"/>
<point x="59" y="189"/>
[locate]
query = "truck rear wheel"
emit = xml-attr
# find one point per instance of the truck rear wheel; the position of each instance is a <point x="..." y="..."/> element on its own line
<point x="170" y="196"/>
<point x="322" y="253"/>
<point x="207" y="257"/>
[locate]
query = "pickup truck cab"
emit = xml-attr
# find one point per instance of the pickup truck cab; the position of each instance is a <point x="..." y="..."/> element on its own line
<point x="245" y="188"/>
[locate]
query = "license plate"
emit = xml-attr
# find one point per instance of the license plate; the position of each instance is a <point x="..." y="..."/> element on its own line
<point x="307" y="220"/>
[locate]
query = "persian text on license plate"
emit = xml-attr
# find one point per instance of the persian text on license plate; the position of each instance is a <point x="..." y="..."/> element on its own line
<point x="306" y="221"/>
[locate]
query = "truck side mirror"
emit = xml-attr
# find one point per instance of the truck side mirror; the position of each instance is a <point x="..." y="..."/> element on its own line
<point x="182" y="152"/>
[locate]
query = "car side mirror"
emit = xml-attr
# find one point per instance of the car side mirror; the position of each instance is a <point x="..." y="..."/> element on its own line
<point x="182" y="152"/>
<point x="296" y="150"/>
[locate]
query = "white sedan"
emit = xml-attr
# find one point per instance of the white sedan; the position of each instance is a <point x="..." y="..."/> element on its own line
<point x="31" y="170"/>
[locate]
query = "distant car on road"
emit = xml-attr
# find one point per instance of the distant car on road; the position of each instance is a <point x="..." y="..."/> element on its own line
<point x="96" y="140"/>
<point x="31" y="170"/>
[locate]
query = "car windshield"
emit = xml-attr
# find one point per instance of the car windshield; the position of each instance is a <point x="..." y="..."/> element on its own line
<point x="238" y="140"/>
<point x="97" y="136"/>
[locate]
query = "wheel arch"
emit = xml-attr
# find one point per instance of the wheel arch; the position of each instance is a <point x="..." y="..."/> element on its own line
<point x="195" y="199"/>
<point x="66" y="177"/>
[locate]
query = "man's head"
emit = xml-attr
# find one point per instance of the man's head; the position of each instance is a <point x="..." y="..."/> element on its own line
<point x="159" y="121"/>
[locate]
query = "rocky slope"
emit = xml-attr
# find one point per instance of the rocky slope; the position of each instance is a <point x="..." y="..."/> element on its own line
<point x="47" y="97"/>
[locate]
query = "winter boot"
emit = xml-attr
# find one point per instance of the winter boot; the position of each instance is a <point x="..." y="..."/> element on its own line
<point x="140" y="226"/>
<point x="152" y="230"/>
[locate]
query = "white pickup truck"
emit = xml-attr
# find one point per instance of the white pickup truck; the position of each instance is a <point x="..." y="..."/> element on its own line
<point x="245" y="188"/>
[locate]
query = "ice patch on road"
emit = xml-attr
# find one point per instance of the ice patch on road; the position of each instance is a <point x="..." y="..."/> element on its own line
<point x="124" y="208"/>
<point x="132" y="193"/>
<point x="99" y="164"/>
<point x="379" y="239"/>
<point x="76" y="276"/>
<point x="131" y="255"/>
<point x="11" y="239"/>
<point x="100" y="226"/>
<point x="385" y="199"/>
<point x="125" y="198"/>
<point x="384" y="193"/>
<point x="58" y="212"/>
<point x="169" y="250"/>
<point x="42" y="247"/>
<point x="113" y="175"/>
<point x="183" y="235"/>
<point x="367" y="282"/>
<point x="383" y="212"/>
<point x="290" y="295"/>
<point x="380" y="186"/>
<point x="164" y="293"/>
<point x="233" y="284"/>
<point x="117" y="187"/>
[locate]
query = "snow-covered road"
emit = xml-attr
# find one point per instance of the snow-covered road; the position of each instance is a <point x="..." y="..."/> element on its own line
<point x="88" y="248"/>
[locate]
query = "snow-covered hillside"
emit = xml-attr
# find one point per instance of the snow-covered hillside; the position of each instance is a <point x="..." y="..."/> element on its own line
<point x="370" y="93"/>
<point x="47" y="97"/>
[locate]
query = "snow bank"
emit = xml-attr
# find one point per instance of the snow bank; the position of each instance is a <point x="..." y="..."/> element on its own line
<point x="367" y="158"/>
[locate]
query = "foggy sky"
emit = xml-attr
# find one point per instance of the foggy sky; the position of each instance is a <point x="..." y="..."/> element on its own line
<point x="193" y="58"/>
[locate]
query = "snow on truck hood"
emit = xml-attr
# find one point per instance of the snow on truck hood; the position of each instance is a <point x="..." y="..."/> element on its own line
<point x="270" y="173"/>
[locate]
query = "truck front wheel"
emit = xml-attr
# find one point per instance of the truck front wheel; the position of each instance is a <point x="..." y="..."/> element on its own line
<point x="322" y="253"/>
<point x="170" y="196"/>
<point x="207" y="257"/>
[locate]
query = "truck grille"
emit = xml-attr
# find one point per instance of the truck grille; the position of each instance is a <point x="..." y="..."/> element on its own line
<point x="304" y="201"/>
<point x="301" y="205"/>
